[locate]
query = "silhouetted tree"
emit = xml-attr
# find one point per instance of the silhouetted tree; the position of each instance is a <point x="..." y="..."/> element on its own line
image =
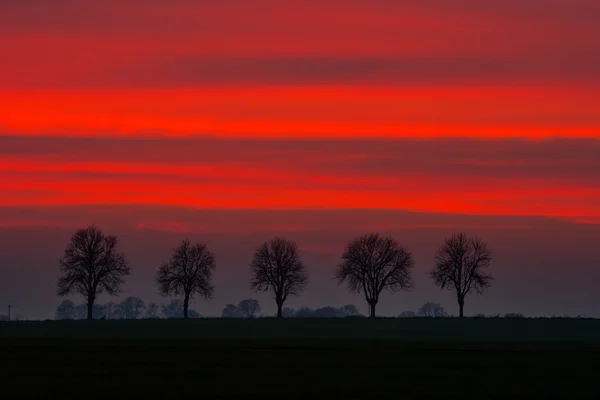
<point x="152" y="310"/>
<point x="172" y="309"/>
<point x="132" y="307"/>
<point x="371" y="264"/>
<point x="249" y="308"/>
<point x="65" y="310"/>
<point x="460" y="266"/>
<point x="189" y="272"/>
<point x="230" y="311"/>
<point x="277" y="267"/>
<point x="433" y="310"/>
<point x="91" y="266"/>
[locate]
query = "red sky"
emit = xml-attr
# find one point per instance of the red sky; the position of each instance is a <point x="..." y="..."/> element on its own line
<point x="273" y="117"/>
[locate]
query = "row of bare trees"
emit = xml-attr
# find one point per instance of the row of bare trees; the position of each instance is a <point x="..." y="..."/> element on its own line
<point x="371" y="264"/>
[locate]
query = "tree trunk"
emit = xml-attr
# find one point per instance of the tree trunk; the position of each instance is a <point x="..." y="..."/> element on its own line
<point x="461" y="305"/>
<point x="186" y="303"/>
<point x="279" y="310"/>
<point x="90" y="308"/>
<point x="372" y="309"/>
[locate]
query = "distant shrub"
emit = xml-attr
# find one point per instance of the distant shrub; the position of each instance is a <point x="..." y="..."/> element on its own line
<point x="432" y="310"/>
<point x="514" y="315"/>
<point x="348" y="310"/>
<point x="304" y="312"/>
<point x="479" y="316"/>
<point x="407" y="314"/>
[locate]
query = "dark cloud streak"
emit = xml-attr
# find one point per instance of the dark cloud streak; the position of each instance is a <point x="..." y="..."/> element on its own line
<point x="365" y="70"/>
<point x="564" y="159"/>
<point x="403" y="42"/>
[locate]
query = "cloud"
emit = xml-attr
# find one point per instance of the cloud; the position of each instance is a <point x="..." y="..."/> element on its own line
<point x="307" y="112"/>
<point x="123" y="45"/>
<point x="588" y="221"/>
<point x="496" y="177"/>
<point x="287" y="222"/>
<point x="180" y="71"/>
<point x="413" y="71"/>
<point x="564" y="159"/>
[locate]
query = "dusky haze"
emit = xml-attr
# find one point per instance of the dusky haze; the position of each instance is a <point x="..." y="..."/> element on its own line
<point x="230" y="122"/>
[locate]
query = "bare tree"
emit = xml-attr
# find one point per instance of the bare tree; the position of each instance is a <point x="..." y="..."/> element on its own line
<point x="371" y="264"/>
<point x="132" y="307"/>
<point x="139" y="308"/>
<point x="249" y="308"/>
<point x="432" y="310"/>
<point x="152" y="310"/>
<point x="91" y="265"/>
<point x="189" y="272"/>
<point x="65" y="310"/>
<point x="277" y="267"/>
<point x="460" y="265"/>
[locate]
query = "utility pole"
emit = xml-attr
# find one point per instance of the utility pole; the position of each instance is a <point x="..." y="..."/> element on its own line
<point x="9" y="308"/>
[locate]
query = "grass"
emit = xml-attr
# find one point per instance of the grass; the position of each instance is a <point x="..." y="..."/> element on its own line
<point x="299" y="358"/>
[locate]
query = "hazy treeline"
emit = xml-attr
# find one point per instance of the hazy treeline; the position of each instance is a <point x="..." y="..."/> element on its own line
<point x="135" y="308"/>
<point x="370" y="264"/>
<point x="130" y="308"/>
<point x="428" y="309"/>
<point x="243" y="311"/>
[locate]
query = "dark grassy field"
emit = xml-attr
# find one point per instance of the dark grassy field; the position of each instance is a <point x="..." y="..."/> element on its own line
<point x="340" y="358"/>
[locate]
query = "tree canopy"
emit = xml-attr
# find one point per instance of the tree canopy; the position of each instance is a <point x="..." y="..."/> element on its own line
<point x="372" y="264"/>
<point x="91" y="265"/>
<point x="189" y="273"/>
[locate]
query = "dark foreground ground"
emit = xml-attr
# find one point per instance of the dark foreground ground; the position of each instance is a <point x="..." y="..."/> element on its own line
<point x="338" y="358"/>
